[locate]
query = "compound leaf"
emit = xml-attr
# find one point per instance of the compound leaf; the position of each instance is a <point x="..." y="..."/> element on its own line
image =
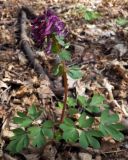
<point x="18" y="143"/>
<point x="22" y="143"/>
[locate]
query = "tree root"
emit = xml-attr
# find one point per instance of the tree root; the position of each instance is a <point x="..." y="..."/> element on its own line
<point x="24" y="40"/>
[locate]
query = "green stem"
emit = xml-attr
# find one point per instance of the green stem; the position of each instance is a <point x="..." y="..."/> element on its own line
<point x="65" y="93"/>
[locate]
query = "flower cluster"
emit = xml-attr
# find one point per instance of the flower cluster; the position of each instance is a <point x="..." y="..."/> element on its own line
<point x="45" y="26"/>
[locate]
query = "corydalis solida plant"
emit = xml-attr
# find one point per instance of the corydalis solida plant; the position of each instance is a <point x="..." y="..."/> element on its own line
<point x="45" y="27"/>
<point x="48" y="29"/>
<point x="70" y="129"/>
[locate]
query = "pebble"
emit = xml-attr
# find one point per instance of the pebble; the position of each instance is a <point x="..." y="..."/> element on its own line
<point x="85" y="156"/>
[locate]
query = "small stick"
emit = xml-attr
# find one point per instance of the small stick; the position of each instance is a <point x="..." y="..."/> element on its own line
<point x="65" y="94"/>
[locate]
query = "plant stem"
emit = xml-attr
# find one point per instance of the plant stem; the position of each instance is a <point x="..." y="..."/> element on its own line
<point x="65" y="93"/>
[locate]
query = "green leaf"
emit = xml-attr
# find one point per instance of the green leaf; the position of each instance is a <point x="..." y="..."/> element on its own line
<point x="69" y="122"/>
<point x="88" y="138"/>
<point x="74" y="72"/>
<point x="81" y="7"/>
<point x="83" y="140"/>
<point x="60" y="105"/>
<point x="38" y="141"/>
<point x="37" y="137"/>
<point x="91" y="15"/>
<point x="12" y="147"/>
<point x="58" y="70"/>
<point x="112" y="118"/>
<point x="118" y="126"/>
<point x="106" y="106"/>
<point x="67" y="45"/>
<point x="58" y="135"/>
<point x="33" y="131"/>
<point x="32" y="111"/>
<point x="18" y="143"/>
<point x="93" y="142"/>
<point x="103" y="130"/>
<point x="112" y="131"/>
<point x="71" y="135"/>
<point x="117" y="135"/>
<point x="71" y="102"/>
<point x="60" y="40"/>
<point x="26" y="122"/>
<point x="88" y="15"/>
<point x="22" y="143"/>
<point x="84" y="122"/>
<point x="18" y="131"/>
<point x="82" y="100"/>
<point x="72" y="111"/>
<point x="96" y="100"/>
<point x="67" y="125"/>
<point x="122" y="21"/>
<point x="21" y="114"/>
<point x="56" y="46"/>
<point x="17" y="120"/>
<point x="48" y="124"/>
<point x="93" y="109"/>
<point x="104" y="116"/>
<point x="88" y="122"/>
<point x="95" y="133"/>
<point x="65" y="55"/>
<point x="48" y="133"/>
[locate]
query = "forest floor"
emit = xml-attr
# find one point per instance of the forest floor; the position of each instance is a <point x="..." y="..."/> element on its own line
<point x="100" y="49"/>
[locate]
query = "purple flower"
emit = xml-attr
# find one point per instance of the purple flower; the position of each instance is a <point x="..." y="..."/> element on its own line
<point x="44" y="26"/>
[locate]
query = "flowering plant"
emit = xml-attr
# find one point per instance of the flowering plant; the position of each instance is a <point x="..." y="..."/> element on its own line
<point x="77" y="122"/>
<point x="45" y="27"/>
<point x="48" y="29"/>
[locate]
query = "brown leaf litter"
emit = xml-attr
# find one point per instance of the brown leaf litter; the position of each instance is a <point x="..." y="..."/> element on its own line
<point x="99" y="48"/>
